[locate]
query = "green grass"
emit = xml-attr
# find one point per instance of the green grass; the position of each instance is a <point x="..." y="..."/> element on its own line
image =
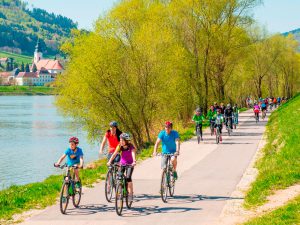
<point x="243" y="109"/>
<point x="18" y="199"/>
<point x="17" y="57"/>
<point x="26" y="90"/>
<point x="280" y="166"/>
<point x="289" y="214"/>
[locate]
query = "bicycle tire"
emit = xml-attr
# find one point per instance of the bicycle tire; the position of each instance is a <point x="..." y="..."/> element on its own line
<point x="64" y="198"/>
<point x="109" y="186"/>
<point x="119" y="199"/>
<point x="128" y="203"/>
<point x="164" y="186"/>
<point x="78" y="192"/>
<point x="171" y="184"/>
<point x="217" y="136"/>
<point x="198" y="135"/>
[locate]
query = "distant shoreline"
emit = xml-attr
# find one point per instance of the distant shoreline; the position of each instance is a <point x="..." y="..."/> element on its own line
<point x="26" y="91"/>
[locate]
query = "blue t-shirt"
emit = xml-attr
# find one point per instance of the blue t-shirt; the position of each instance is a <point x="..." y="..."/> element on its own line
<point x="73" y="157"/>
<point x="168" y="141"/>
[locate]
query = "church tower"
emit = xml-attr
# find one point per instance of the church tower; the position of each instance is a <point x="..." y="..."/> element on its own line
<point x="38" y="55"/>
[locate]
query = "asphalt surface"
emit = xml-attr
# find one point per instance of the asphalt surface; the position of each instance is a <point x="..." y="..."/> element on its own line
<point x="208" y="174"/>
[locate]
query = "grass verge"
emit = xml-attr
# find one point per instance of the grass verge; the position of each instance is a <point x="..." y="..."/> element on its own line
<point x="280" y="166"/>
<point x="26" y="90"/>
<point x="289" y="214"/>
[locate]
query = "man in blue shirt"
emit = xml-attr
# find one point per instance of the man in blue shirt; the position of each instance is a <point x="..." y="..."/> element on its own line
<point x="170" y="145"/>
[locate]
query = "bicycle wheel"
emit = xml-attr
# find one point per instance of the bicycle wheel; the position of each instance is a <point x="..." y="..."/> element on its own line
<point x="171" y="184"/>
<point x="64" y="197"/>
<point x="77" y="196"/>
<point x="217" y="136"/>
<point x="109" y="186"/>
<point x="164" y="186"/>
<point x="128" y="203"/>
<point x="211" y="130"/>
<point x="119" y="198"/>
<point x="198" y="135"/>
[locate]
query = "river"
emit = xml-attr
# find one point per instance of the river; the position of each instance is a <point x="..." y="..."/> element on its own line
<point x="33" y="135"/>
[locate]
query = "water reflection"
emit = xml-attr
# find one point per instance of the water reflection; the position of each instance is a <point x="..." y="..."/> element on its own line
<point x="33" y="136"/>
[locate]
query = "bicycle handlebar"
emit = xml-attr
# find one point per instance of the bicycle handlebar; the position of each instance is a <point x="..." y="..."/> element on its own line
<point x="65" y="165"/>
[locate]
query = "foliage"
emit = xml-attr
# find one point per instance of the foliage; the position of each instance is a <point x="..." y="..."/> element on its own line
<point x="21" y="27"/>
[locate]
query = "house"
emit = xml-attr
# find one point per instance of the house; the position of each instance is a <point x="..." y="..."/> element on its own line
<point x="3" y="60"/>
<point x="34" y="78"/>
<point x="6" y="78"/>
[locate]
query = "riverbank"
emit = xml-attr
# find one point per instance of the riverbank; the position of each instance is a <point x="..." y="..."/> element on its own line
<point x="26" y="90"/>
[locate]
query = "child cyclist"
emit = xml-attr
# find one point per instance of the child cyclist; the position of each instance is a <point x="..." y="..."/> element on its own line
<point x="74" y="156"/>
<point x="127" y="152"/>
<point x="198" y="119"/>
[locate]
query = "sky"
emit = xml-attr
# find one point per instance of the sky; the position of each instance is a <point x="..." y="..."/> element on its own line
<point x="275" y="15"/>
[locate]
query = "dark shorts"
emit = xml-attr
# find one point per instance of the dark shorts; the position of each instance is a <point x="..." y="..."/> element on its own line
<point x="128" y="172"/>
<point x="116" y="159"/>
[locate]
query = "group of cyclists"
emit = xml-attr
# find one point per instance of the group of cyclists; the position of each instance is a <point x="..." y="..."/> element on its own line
<point x="217" y="115"/>
<point x="272" y="102"/>
<point x="122" y="152"/>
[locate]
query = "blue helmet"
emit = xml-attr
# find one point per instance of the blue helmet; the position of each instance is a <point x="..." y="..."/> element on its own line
<point x="113" y="124"/>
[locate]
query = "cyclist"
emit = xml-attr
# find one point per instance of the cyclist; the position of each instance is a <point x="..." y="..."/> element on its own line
<point x="222" y="107"/>
<point x="170" y="145"/>
<point x="112" y="136"/>
<point x="263" y="107"/>
<point x="256" y="110"/>
<point x="198" y="119"/>
<point x="216" y="107"/>
<point x="278" y="101"/>
<point x="210" y="115"/>
<point x="127" y="151"/>
<point x="236" y="111"/>
<point x="228" y="114"/>
<point x="219" y="120"/>
<point x="275" y="102"/>
<point x="74" y="156"/>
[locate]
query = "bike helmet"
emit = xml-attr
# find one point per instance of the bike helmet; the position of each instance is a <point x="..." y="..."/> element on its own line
<point x="168" y="124"/>
<point x="113" y="124"/>
<point x="125" y="136"/>
<point x="198" y="110"/>
<point x="228" y="105"/>
<point x="74" y="140"/>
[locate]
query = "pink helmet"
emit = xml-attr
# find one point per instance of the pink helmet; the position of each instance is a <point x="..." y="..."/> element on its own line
<point x="74" y="139"/>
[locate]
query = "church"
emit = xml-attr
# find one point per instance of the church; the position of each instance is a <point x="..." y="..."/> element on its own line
<point x="42" y="70"/>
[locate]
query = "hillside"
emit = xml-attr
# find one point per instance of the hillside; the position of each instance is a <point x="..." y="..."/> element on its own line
<point x="295" y="32"/>
<point x="17" y="57"/>
<point x="20" y="27"/>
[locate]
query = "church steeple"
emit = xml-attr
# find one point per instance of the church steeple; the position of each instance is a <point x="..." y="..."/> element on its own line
<point x="38" y="55"/>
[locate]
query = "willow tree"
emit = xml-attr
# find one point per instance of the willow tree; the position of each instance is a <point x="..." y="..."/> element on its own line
<point x="120" y="71"/>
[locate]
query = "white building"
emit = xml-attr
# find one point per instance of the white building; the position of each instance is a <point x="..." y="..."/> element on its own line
<point x="34" y="79"/>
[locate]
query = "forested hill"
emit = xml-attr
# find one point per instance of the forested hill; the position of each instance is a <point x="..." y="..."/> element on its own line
<point x="20" y="27"/>
<point x="295" y="32"/>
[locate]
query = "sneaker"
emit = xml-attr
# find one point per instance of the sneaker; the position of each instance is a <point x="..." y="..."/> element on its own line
<point x="175" y="175"/>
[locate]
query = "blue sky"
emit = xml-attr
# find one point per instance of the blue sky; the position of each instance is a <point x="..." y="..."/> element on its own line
<point x="276" y="15"/>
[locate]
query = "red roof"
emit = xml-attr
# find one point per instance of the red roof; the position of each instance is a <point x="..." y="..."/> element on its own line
<point x="5" y="74"/>
<point x="3" y="59"/>
<point x="27" y="74"/>
<point x="48" y="64"/>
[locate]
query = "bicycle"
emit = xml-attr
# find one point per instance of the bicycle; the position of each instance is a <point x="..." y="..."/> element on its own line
<point x="212" y="127"/>
<point x="167" y="180"/>
<point x="68" y="189"/>
<point x="121" y="191"/>
<point x="264" y="113"/>
<point x="110" y="181"/>
<point x="218" y="134"/>
<point x="198" y="133"/>
<point x="256" y="117"/>
<point x="228" y="126"/>
<point x="235" y="120"/>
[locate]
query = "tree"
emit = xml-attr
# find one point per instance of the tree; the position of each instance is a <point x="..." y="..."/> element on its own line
<point x="34" y="68"/>
<point x="27" y="69"/>
<point x="22" y="67"/>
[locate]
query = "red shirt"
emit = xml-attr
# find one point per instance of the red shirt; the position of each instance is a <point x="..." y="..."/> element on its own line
<point x="112" y="141"/>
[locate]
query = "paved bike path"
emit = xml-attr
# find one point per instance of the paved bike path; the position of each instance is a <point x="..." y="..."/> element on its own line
<point x="208" y="174"/>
